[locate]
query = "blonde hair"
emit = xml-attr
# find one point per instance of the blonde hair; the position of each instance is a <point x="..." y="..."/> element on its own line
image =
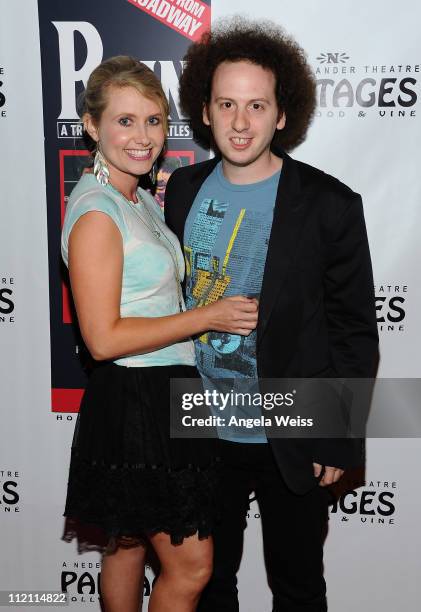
<point x="121" y="71"/>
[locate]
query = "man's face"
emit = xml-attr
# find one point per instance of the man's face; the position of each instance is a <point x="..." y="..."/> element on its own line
<point x="243" y="113"/>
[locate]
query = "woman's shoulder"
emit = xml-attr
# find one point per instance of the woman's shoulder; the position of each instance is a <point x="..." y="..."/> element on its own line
<point x="89" y="196"/>
<point x="88" y="192"/>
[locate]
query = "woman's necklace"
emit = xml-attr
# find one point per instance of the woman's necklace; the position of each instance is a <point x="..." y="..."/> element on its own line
<point x="155" y="231"/>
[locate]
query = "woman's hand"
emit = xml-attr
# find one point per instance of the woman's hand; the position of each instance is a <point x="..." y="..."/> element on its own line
<point x="236" y="315"/>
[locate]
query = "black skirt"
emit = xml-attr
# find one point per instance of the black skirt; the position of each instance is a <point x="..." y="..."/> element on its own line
<point x="127" y="476"/>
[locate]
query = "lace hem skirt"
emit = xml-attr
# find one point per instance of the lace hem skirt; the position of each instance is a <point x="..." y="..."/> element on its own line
<point x="127" y="476"/>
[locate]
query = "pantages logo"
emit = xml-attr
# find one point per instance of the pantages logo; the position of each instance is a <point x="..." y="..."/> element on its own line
<point x="2" y="95"/>
<point x="9" y="491"/>
<point x="7" y="302"/>
<point x="343" y="88"/>
<point x="391" y="306"/>
<point x="373" y="503"/>
<point x="81" y="581"/>
<point x="75" y="34"/>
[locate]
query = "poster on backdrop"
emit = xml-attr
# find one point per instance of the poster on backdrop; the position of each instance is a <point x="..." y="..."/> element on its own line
<point x="75" y="37"/>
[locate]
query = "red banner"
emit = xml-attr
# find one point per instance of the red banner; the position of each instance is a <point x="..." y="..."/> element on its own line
<point x="191" y="18"/>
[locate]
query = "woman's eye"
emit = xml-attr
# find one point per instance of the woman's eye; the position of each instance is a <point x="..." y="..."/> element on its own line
<point x="154" y="120"/>
<point x="124" y="121"/>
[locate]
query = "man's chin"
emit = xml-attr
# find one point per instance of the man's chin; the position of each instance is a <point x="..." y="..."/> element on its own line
<point x="239" y="163"/>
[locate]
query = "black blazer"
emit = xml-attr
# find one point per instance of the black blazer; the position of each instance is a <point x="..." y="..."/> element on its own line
<point x="317" y="313"/>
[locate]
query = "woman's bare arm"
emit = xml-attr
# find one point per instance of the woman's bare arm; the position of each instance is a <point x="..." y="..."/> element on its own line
<point x="96" y="268"/>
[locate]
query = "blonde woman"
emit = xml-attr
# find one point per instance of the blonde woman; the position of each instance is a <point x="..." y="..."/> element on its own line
<point x="126" y="475"/>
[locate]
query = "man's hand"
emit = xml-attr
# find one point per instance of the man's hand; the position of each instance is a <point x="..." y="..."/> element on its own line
<point x="331" y="474"/>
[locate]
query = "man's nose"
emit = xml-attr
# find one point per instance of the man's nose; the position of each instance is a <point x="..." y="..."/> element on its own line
<point x="240" y="120"/>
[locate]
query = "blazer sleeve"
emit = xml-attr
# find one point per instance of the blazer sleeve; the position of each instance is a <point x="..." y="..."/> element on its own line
<point x="349" y="296"/>
<point x="352" y="326"/>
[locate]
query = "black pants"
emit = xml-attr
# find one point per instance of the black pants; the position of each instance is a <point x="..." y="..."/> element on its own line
<point x="293" y="531"/>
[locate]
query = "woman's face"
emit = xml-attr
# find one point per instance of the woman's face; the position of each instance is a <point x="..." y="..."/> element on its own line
<point x="130" y="132"/>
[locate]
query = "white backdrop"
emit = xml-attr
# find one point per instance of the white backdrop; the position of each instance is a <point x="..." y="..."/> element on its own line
<point x="372" y="560"/>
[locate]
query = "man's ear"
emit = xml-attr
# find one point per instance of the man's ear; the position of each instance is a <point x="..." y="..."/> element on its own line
<point x="205" y="115"/>
<point x="281" y="121"/>
<point x="90" y="127"/>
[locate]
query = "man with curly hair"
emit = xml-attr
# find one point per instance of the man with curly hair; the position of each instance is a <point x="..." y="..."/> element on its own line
<point x="253" y="221"/>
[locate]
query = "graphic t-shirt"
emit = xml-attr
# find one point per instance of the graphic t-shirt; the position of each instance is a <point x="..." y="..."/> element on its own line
<point x="226" y="239"/>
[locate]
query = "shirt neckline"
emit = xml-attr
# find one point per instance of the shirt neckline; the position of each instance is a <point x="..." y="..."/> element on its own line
<point x="245" y="186"/>
<point x="142" y="194"/>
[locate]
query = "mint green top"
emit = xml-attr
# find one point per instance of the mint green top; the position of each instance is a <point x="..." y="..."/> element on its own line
<point x="149" y="284"/>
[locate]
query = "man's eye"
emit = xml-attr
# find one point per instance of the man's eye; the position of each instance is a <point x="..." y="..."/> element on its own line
<point x="124" y="121"/>
<point x="256" y="106"/>
<point x="226" y="104"/>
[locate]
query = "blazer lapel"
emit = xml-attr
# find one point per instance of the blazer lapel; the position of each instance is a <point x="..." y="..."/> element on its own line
<point x="286" y="227"/>
<point x="190" y="191"/>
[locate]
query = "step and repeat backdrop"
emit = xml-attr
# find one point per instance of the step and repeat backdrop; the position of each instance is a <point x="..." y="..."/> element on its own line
<point x="367" y="62"/>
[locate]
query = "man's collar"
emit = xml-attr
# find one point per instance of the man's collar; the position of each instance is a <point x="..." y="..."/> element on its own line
<point x="203" y="170"/>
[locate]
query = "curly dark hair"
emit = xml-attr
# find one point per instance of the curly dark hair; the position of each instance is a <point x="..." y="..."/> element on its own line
<point x="262" y="43"/>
